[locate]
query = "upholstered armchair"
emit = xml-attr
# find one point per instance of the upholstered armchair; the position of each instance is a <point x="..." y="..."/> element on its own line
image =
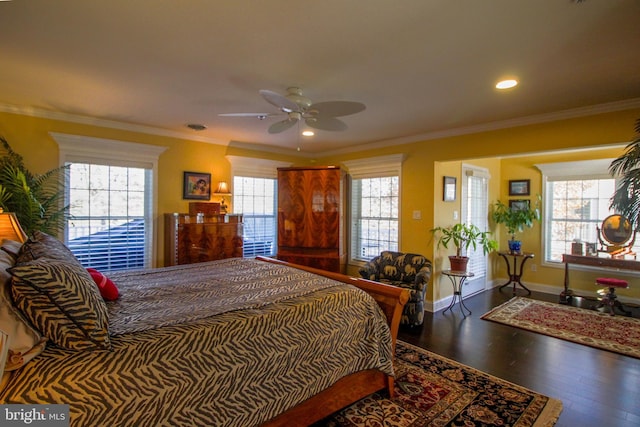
<point x="408" y="271"/>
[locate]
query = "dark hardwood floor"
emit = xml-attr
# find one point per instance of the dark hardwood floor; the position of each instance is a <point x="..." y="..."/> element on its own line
<point x="596" y="387"/>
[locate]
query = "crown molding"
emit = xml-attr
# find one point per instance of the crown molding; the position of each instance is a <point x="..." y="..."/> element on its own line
<point x="110" y="124"/>
<point x="485" y="127"/>
<point x="573" y="113"/>
<point x="254" y="146"/>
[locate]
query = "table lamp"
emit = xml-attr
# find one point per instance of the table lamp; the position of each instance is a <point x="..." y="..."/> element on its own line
<point x="223" y="190"/>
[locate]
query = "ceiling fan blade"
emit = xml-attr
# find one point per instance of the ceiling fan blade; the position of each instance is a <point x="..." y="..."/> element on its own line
<point x="258" y="115"/>
<point x="282" y="102"/>
<point x="337" y="108"/>
<point x="326" y="123"/>
<point x="282" y="126"/>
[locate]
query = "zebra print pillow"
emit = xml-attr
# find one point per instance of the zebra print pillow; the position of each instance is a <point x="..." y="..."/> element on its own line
<point x="42" y="245"/>
<point x="24" y="341"/>
<point x="63" y="302"/>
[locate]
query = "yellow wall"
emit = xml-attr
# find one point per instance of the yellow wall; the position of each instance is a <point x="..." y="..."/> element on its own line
<point x="523" y="168"/>
<point x="517" y="150"/>
<point x="421" y="185"/>
<point x="29" y="136"/>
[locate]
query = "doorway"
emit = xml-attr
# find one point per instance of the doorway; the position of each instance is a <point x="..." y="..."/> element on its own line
<point x="475" y="210"/>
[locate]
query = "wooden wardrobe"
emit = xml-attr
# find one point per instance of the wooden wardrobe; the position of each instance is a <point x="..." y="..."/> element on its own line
<point x="310" y="229"/>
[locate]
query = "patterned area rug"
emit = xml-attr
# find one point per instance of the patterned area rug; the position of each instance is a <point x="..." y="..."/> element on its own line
<point x="434" y="391"/>
<point x="593" y="328"/>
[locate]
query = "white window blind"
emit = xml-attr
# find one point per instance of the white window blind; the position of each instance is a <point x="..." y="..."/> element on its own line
<point x="476" y="212"/>
<point x="108" y="206"/>
<point x="375" y="206"/>
<point x="255" y="197"/>
<point x="374" y="216"/>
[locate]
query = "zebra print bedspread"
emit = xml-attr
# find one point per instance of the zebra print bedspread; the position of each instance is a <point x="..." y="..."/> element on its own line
<point x="151" y="300"/>
<point x="282" y="338"/>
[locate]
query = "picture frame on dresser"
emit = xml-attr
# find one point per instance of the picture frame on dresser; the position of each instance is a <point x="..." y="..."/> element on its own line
<point x="196" y="186"/>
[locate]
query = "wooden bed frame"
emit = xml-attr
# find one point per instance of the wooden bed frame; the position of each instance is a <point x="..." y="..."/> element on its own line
<point x="353" y="387"/>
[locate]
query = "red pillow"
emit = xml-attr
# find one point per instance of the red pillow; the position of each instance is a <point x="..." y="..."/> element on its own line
<point x="108" y="289"/>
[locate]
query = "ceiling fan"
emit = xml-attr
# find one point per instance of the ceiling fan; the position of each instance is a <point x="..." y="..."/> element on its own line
<point x="297" y="107"/>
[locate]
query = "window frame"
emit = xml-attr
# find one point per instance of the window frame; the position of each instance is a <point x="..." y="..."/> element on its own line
<point x="85" y="149"/>
<point x="265" y="217"/>
<point x="372" y="167"/>
<point x="250" y="167"/>
<point x="566" y="171"/>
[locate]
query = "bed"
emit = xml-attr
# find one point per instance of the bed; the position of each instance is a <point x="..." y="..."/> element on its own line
<point x="230" y="342"/>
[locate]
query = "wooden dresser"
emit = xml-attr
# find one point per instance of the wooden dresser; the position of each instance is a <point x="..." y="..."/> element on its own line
<point x="310" y="230"/>
<point x="198" y="238"/>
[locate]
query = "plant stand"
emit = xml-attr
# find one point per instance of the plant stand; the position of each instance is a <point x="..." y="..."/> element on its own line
<point x="457" y="279"/>
<point x="514" y="276"/>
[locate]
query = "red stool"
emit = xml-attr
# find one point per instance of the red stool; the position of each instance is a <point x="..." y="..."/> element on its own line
<point x="610" y="299"/>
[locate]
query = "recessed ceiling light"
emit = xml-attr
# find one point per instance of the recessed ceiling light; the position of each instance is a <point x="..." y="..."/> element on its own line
<point x="308" y="133"/>
<point x="196" y="126"/>
<point x="506" y="84"/>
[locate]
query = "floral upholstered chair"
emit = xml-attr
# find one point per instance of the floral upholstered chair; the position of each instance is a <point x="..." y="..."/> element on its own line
<point x="408" y="271"/>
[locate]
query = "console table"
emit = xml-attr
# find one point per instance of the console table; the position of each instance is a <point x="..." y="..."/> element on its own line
<point x="593" y="261"/>
<point x="515" y="276"/>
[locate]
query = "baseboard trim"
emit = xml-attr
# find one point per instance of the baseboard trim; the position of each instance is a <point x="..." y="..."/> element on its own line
<point x="537" y="287"/>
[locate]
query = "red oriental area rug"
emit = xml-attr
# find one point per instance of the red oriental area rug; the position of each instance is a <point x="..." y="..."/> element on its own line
<point x="596" y="329"/>
<point x="431" y="390"/>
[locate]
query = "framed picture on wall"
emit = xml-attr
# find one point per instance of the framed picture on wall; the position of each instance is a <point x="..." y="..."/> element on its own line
<point x="519" y="204"/>
<point x="197" y="186"/>
<point x="519" y="187"/>
<point x="449" y="192"/>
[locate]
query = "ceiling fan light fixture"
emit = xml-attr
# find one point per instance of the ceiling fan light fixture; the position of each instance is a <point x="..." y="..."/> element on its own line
<point x="297" y="107"/>
<point x="506" y="84"/>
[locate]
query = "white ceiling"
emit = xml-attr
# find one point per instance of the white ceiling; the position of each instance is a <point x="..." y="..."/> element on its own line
<point x="422" y="67"/>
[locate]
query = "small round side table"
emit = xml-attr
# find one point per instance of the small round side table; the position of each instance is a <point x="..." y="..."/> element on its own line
<point x="515" y="276"/>
<point x="457" y="279"/>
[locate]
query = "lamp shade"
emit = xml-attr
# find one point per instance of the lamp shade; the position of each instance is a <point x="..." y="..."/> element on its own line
<point x="10" y="227"/>
<point x="223" y="188"/>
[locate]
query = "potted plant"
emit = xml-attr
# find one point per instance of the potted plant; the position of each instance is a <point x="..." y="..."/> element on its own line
<point x="464" y="237"/>
<point x="627" y="192"/>
<point x="37" y="200"/>
<point x="516" y="218"/>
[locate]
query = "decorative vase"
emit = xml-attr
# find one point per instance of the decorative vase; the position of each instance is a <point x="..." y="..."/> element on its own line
<point x="458" y="263"/>
<point x="515" y="246"/>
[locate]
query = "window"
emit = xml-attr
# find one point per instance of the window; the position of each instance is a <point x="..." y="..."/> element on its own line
<point x="374" y="213"/>
<point x="255" y="197"/>
<point x="375" y="205"/>
<point x="110" y="189"/>
<point x="109" y="216"/>
<point x="576" y="201"/>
